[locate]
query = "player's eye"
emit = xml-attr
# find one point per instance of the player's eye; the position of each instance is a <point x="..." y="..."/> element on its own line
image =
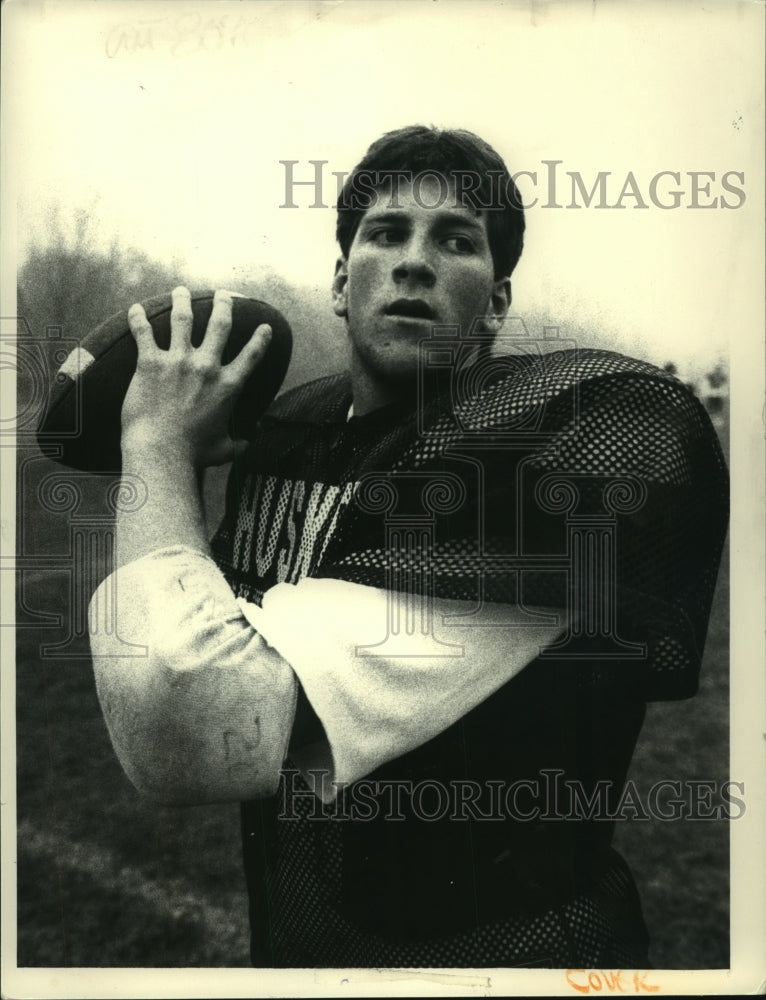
<point x="388" y="236"/>
<point x="460" y="244"/>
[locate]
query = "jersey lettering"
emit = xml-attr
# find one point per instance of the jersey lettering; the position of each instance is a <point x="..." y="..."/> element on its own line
<point x="316" y="527"/>
<point x="296" y="507"/>
<point x="284" y="528"/>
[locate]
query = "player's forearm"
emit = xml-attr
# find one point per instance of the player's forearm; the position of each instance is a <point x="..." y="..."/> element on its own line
<point x="199" y="708"/>
<point x="172" y="512"/>
<point x="384" y="671"/>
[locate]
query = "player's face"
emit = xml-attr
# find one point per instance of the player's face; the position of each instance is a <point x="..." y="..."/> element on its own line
<point x="411" y="267"/>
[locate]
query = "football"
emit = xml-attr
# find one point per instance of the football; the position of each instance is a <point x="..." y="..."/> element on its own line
<point x="80" y="427"/>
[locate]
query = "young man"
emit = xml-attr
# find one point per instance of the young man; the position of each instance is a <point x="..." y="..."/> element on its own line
<point x="420" y="646"/>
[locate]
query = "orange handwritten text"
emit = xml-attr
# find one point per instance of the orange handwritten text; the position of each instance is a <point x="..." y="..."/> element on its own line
<point x="614" y="981"/>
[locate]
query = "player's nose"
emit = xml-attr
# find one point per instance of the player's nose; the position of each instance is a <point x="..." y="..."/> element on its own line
<point x="416" y="270"/>
<point x="415" y="264"/>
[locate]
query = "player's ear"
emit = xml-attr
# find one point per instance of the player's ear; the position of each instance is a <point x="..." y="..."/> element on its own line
<point x="499" y="304"/>
<point x="340" y="287"/>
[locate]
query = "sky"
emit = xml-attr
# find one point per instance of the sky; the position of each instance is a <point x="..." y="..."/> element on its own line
<point x="168" y="121"/>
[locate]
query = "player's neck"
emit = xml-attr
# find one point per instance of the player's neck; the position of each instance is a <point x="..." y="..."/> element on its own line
<point x="372" y="393"/>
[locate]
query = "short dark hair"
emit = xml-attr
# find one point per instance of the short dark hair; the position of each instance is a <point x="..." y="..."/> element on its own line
<point x="452" y="153"/>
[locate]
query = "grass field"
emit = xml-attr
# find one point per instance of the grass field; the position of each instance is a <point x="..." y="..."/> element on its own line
<point x="107" y="879"/>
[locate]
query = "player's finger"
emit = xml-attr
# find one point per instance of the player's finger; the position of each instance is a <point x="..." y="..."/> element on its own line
<point x="219" y="325"/>
<point x="250" y="354"/>
<point x="141" y="329"/>
<point x="181" y="319"/>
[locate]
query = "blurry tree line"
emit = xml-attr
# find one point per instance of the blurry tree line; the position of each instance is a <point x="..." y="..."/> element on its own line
<point x="70" y="281"/>
<point x="66" y="283"/>
<point x="712" y="389"/>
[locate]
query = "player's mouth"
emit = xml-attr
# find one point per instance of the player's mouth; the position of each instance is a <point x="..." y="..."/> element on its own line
<point x="411" y="309"/>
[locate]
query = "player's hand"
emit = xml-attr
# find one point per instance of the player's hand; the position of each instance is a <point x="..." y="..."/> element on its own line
<point x="180" y="400"/>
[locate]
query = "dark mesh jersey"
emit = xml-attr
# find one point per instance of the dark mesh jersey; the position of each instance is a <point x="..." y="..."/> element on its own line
<point x="579" y="480"/>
